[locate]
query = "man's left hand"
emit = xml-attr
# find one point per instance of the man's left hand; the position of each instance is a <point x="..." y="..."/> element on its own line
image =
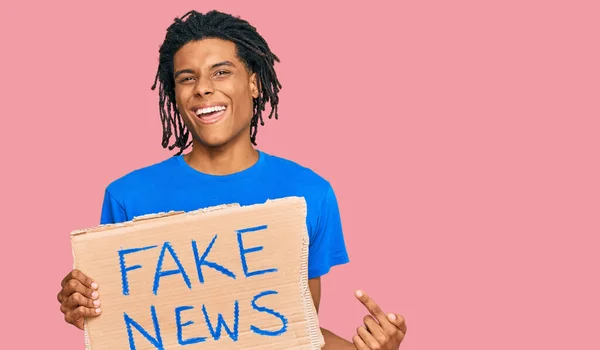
<point x="380" y="331"/>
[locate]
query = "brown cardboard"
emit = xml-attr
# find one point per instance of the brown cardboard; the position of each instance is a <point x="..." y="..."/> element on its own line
<point x="285" y="291"/>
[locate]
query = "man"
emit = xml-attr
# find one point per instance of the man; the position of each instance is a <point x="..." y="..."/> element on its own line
<point x="216" y="74"/>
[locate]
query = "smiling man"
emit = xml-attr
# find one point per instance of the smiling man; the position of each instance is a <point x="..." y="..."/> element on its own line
<point x="216" y="74"/>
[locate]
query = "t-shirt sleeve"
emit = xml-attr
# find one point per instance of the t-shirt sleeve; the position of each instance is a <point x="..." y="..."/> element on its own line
<point x="327" y="247"/>
<point x="112" y="211"/>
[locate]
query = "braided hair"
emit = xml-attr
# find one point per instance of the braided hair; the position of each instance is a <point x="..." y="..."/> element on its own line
<point x="251" y="48"/>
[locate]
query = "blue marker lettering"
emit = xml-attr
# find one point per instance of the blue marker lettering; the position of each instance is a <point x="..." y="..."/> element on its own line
<point x="216" y="333"/>
<point x="159" y="273"/>
<point x="244" y="251"/>
<point x="155" y="341"/>
<point x="284" y="321"/>
<point x="202" y="261"/>
<point x="180" y="326"/>
<point x="122" y="253"/>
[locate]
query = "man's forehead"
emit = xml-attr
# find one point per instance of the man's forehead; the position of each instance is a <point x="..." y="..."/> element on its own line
<point x="206" y="52"/>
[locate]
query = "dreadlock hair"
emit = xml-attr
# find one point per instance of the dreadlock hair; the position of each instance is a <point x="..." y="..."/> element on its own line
<point x="251" y="48"/>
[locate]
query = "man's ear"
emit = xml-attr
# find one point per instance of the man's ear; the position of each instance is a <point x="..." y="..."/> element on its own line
<point x="254" y="85"/>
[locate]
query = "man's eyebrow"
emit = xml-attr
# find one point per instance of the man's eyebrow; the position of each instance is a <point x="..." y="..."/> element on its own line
<point x="224" y="63"/>
<point x="216" y="65"/>
<point x="178" y="73"/>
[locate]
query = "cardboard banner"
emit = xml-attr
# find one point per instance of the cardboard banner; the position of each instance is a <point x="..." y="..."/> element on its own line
<point x="226" y="277"/>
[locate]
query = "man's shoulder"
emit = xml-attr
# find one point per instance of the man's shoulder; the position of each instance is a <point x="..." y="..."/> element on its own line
<point x="295" y="171"/>
<point x="142" y="177"/>
<point x="295" y="178"/>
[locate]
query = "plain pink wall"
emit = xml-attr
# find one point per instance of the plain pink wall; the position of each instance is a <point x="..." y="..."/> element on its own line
<point x="462" y="138"/>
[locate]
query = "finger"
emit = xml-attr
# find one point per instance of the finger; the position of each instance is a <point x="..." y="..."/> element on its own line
<point x="60" y="296"/>
<point x="74" y="286"/>
<point x="359" y="343"/>
<point x="77" y="299"/>
<point x="81" y="313"/>
<point x="398" y="321"/>
<point x="79" y="324"/>
<point x="373" y="308"/>
<point x="81" y="277"/>
<point x="374" y="328"/>
<point x="66" y="278"/>
<point x="364" y="334"/>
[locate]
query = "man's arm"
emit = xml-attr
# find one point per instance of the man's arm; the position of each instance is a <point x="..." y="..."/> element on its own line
<point x="332" y="341"/>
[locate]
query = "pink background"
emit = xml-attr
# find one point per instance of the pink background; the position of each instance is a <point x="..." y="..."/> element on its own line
<point x="462" y="138"/>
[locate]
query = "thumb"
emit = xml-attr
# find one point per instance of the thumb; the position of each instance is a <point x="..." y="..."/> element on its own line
<point x="398" y="321"/>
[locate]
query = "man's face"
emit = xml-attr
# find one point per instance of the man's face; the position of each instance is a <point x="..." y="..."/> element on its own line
<point x="214" y="91"/>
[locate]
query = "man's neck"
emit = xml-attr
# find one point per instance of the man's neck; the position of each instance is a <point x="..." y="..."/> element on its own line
<point x="224" y="160"/>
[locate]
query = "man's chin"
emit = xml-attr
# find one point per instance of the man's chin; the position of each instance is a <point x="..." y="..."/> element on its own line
<point x="212" y="141"/>
<point x="220" y="139"/>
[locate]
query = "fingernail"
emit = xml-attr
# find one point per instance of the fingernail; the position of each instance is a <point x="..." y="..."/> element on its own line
<point x="96" y="302"/>
<point x="392" y="317"/>
<point x="359" y="293"/>
<point x="98" y="310"/>
<point x="94" y="295"/>
<point x="95" y="285"/>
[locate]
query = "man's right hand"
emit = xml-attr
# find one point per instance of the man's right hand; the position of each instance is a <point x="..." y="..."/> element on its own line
<point x="78" y="298"/>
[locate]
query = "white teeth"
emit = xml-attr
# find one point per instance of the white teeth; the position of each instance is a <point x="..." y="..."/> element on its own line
<point x="210" y="110"/>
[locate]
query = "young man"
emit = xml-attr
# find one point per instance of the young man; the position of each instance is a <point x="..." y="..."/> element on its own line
<point x="216" y="75"/>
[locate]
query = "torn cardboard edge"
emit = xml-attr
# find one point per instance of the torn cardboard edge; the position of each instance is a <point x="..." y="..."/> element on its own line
<point x="135" y="220"/>
<point x="312" y="321"/>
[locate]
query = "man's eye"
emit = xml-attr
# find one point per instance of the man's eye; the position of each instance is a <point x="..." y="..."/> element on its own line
<point x="222" y="72"/>
<point x="185" y="79"/>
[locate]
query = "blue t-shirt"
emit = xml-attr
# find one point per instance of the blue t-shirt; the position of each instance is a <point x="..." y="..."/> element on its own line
<point x="173" y="185"/>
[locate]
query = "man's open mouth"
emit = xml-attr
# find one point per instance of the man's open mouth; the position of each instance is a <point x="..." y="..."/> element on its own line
<point x="212" y="114"/>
